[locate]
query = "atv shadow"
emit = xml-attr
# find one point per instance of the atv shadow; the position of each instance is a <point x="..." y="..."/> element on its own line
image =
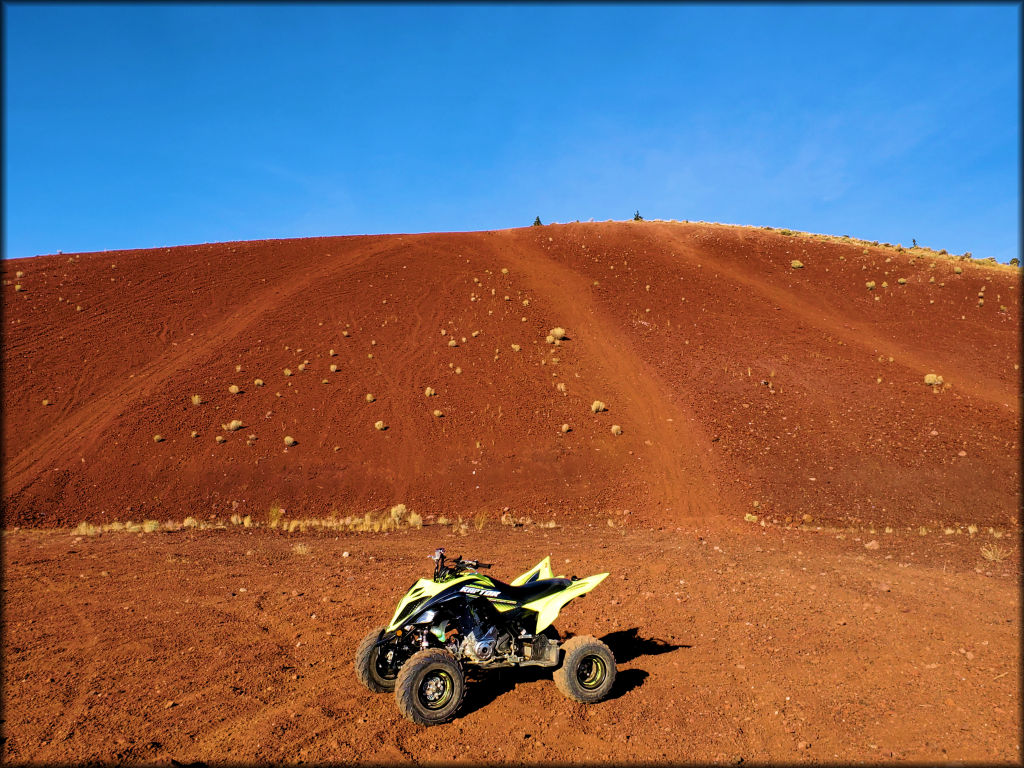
<point x="484" y="687"/>
<point x="626" y="645"/>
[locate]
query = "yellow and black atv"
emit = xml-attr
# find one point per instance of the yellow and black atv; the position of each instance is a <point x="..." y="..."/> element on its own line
<point x="461" y="617"/>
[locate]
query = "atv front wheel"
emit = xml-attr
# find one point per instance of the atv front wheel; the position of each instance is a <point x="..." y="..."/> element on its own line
<point x="430" y="687"/>
<point x="588" y="670"/>
<point x="371" y="668"/>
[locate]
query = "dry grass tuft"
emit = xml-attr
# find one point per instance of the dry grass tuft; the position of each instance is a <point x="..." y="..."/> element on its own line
<point x="370" y="398"/>
<point x="616" y="429"/>
<point x="196" y="400"/>
<point x="234" y="389"/>
<point x="438" y="414"/>
<point x="453" y="343"/>
<point x="994" y="553"/>
<point x="289" y="440"/>
<point x="258" y="382"/>
<point x="220" y="439"/>
<point x="332" y="353"/>
<point x="480" y="520"/>
<point x="300" y="549"/>
<point x="796" y="264"/>
<point x="558" y="333"/>
<point x="565" y="428"/>
<point x="287" y="371"/>
<point x="597" y="406"/>
<point x="870" y="285"/>
<point x="380" y="425"/>
<point x="933" y="380"/>
<point x="516" y="347"/>
<point x="275" y="516"/>
<point x="429" y="392"/>
<point x="334" y="368"/>
<point x="158" y="438"/>
<point x="232" y="426"/>
<point x="398" y="513"/>
<point x="86" y="529"/>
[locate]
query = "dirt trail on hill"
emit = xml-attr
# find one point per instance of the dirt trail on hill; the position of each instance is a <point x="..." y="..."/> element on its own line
<point x="63" y="441"/>
<point x="818" y="310"/>
<point x="678" y="468"/>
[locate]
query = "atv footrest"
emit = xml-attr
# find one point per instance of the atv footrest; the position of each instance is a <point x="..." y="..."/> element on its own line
<point x="540" y="652"/>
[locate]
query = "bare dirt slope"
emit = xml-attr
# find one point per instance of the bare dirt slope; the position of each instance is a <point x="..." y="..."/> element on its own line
<point x="735" y="378"/>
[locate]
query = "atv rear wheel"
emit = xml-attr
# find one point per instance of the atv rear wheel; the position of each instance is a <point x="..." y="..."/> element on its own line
<point x="588" y="670"/>
<point x="370" y="667"/>
<point x="430" y="687"/>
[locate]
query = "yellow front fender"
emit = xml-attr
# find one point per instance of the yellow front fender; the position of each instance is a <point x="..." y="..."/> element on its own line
<point x="547" y="608"/>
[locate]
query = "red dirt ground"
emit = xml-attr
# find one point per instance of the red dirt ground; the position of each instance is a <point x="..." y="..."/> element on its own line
<point x="762" y="644"/>
<point x="735" y="378"/>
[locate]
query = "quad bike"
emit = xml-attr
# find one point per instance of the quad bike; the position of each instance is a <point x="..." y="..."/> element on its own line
<point x="461" y="618"/>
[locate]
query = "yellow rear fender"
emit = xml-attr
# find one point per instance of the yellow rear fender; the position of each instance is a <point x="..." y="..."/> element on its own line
<point x="547" y="608"/>
<point x="541" y="570"/>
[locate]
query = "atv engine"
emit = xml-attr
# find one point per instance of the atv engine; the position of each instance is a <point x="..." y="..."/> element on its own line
<point x="489" y="646"/>
<point x="482" y="640"/>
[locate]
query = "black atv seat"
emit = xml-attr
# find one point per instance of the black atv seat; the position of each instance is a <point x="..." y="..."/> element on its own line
<point x="533" y="590"/>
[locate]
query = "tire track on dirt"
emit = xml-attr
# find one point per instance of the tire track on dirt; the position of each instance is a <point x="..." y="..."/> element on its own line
<point x="864" y="336"/>
<point x="48" y="448"/>
<point x="683" y="479"/>
<point x="72" y="715"/>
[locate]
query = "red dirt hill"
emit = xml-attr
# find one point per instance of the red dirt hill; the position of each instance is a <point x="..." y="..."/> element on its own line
<point x="735" y="377"/>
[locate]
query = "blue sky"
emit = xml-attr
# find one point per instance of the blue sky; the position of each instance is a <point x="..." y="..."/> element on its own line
<point x="143" y="125"/>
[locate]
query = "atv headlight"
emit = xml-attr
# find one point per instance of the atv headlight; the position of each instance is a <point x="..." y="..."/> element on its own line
<point x="425" y="618"/>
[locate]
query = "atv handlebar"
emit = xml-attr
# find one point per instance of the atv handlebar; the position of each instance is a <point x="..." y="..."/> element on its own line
<point x="443" y="569"/>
